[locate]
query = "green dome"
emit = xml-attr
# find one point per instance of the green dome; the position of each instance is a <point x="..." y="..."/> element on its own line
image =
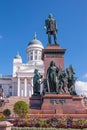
<point x="17" y="56"/>
<point x="35" y="41"/>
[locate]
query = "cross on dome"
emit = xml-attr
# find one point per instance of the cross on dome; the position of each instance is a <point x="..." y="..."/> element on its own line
<point x="35" y="35"/>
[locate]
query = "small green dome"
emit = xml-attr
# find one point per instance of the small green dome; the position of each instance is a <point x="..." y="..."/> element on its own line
<point x="17" y="56"/>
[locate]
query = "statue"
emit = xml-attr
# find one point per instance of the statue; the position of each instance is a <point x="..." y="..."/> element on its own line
<point x="62" y="81"/>
<point x="2" y="100"/>
<point x="52" y="80"/>
<point x="71" y="80"/>
<point x="58" y="80"/>
<point x="1" y="93"/>
<point x="51" y="27"/>
<point x="36" y="82"/>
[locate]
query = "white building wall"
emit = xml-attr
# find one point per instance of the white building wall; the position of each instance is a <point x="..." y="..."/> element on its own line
<point x="21" y="81"/>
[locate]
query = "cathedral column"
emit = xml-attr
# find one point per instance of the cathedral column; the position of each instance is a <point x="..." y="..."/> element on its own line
<point x="25" y="87"/>
<point x="18" y="86"/>
<point x="37" y="55"/>
<point x="33" y="55"/>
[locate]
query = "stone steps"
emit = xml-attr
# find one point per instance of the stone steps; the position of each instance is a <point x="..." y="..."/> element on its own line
<point x="37" y="112"/>
<point x="11" y="101"/>
<point x="48" y="116"/>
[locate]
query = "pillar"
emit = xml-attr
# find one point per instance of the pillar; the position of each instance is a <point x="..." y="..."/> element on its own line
<point x="25" y="87"/>
<point x="18" y="86"/>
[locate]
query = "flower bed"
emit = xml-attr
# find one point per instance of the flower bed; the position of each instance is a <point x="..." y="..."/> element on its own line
<point x="53" y="123"/>
<point x="33" y="128"/>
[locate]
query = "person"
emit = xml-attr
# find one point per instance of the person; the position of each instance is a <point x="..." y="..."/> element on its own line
<point x="51" y="27"/>
<point x="36" y="82"/>
<point x="52" y="80"/>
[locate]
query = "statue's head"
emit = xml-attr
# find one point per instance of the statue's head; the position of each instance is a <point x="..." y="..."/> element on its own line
<point x="35" y="71"/>
<point x="50" y="16"/>
<point x="52" y="63"/>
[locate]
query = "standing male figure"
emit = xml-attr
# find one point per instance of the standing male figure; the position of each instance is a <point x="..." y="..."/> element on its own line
<point x="36" y="82"/>
<point x="51" y="27"/>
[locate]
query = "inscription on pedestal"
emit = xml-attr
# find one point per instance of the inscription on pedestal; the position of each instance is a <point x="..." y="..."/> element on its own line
<point x="57" y="101"/>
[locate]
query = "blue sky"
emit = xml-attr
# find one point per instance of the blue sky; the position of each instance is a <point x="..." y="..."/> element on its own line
<point x="19" y="19"/>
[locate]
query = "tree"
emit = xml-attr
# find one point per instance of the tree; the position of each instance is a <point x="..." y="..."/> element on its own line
<point x="21" y="108"/>
<point x="6" y="112"/>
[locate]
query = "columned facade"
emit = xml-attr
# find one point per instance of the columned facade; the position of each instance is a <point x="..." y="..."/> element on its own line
<point x="24" y="87"/>
<point x="20" y="83"/>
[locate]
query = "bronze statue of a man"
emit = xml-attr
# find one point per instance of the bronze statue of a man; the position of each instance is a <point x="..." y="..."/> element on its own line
<point x="51" y="27"/>
<point x="36" y="82"/>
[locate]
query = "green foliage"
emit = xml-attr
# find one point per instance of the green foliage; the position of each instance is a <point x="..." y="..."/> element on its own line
<point x="6" y="112"/>
<point x="2" y="119"/>
<point x="21" y="108"/>
<point x="42" y="123"/>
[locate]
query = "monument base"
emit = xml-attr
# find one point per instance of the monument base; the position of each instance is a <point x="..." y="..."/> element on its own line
<point x="63" y="104"/>
<point x="57" y="105"/>
<point x="53" y="53"/>
<point x="35" y="102"/>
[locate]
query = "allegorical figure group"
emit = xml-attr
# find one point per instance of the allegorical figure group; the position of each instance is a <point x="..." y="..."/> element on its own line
<point x="57" y="80"/>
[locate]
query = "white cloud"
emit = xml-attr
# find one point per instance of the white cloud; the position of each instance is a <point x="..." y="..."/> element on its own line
<point x="85" y="75"/>
<point x="81" y="88"/>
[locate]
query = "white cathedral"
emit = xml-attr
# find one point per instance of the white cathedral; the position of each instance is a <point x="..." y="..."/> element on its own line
<point x="21" y="81"/>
